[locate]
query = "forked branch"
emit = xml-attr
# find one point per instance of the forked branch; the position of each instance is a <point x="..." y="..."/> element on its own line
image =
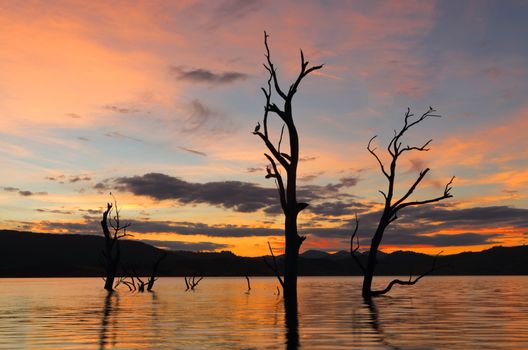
<point x="410" y="281"/>
<point x="355" y="249"/>
<point x="192" y="282"/>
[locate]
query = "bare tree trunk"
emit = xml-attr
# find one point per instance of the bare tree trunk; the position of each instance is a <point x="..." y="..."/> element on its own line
<point x="372" y="261"/>
<point x="286" y="160"/>
<point x="393" y="206"/>
<point x="292" y="323"/>
<point x="111" y="271"/>
<point x="153" y="277"/>
<point x="291" y="258"/>
<point x="111" y="252"/>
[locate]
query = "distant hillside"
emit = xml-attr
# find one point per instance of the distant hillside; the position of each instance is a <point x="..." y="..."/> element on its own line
<point x="27" y="254"/>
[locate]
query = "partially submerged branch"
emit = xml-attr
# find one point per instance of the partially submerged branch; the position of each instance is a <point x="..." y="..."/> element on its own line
<point x="248" y="284"/>
<point x="153" y="278"/>
<point x="192" y="282"/>
<point x="275" y="267"/>
<point x="355" y="248"/>
<point x="410" y="281"/>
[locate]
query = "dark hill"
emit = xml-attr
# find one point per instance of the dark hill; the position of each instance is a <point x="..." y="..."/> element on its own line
<point x="27" y="254"/>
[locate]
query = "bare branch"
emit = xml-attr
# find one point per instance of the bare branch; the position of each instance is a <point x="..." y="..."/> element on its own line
<point x="275" y="267"/>
<point x="415" y="148"/>
<point x="280" y="139"/>
<point x="273" y="150"/>
<point x="353" y="250"/>
<point x="447" y="194"/>
<point x="372" y="151"/>
<point x="280" y="184"/>
<point x="409" y="282"/>
<point x="412" y="188"/>
<point x="303" y="73"/>
<point x="272" y="70"/>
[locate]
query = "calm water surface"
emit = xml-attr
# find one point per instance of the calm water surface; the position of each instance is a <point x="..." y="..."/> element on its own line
<point x="439" y="313"/>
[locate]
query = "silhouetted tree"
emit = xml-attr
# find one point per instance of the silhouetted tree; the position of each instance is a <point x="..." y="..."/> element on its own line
<point x="392" y="206"/>
<point x="192" y="282"/>
<point x="248" y="284"/>
<point x="287" y="161"/>
<point x="153" y="278"/>
<point x="141" y="284"/>
<point x="111" y="251"/>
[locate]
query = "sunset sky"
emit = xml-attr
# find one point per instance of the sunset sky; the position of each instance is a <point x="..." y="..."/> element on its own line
<point x="155" y="101"/>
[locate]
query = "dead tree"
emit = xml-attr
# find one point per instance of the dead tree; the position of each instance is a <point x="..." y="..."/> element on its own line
<point x="248" y="284"/>
<point x="128" y="279"/>
<point x="111" y="251"/>
<point x="153" y="278"/>
<point x="141" y="284"/>
<point x="192" y="282"/>
<point x="393" y="205"/>
<point x="286" y="160"/>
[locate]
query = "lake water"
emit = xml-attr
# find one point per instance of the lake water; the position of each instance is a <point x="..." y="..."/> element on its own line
<point x="438" y="313"/>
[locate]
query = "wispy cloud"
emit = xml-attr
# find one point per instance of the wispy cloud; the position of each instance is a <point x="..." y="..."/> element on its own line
<point x="119" y="135"/>
<point x="200" y="116"/>
<point x="24" y="193"/>
<point x="54" y="211"/>
<point x="118" y="109"/>
<point x="193" y="151"/>
<point x="254" y="169"/>
<point x="202" y="75"/>
<point x="61" y="178"/>
<point x="228" y="11"/>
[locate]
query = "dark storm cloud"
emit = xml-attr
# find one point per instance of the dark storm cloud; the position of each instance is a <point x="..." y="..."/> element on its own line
<point x="496" y="216"/>
<point x="337" y="208"/>
<point x="406" y="232"/>
<point x="414" y="225"/>
<point x="92" y="226"/>
<point x="201" y="75"/>
<point x="237" y="195"/>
